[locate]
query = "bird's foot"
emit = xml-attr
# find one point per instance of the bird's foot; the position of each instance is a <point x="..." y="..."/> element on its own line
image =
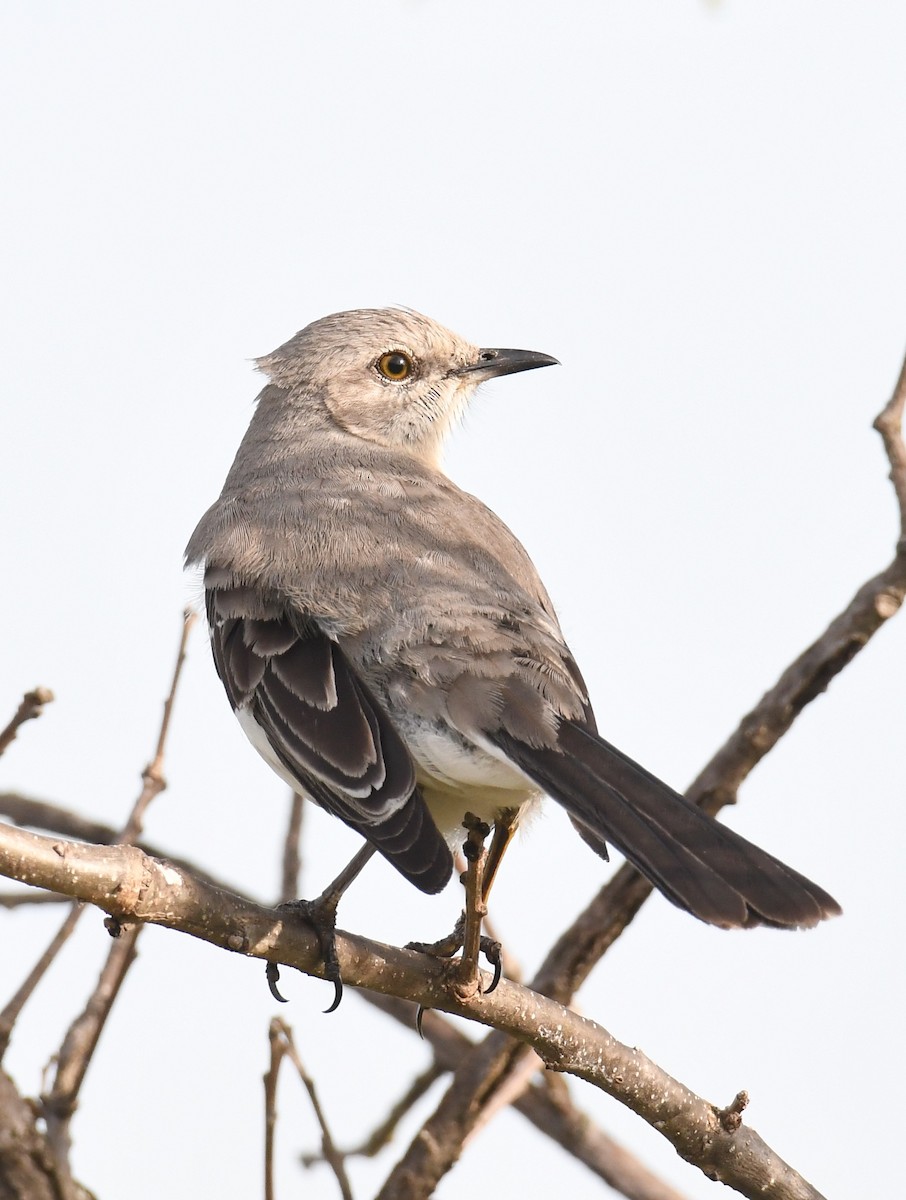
<point x="464" y="973"/>
<point x="467" y="933"/>
<point x="321" y="914"/>
<point x="447" y="946"/>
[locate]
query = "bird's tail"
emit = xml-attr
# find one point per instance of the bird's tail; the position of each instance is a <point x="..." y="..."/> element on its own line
<point x="698" y="863"/>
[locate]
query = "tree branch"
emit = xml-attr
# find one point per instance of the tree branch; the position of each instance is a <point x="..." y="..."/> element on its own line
<point x="130" y="886"/>
<point x="81" y="1039"/>
<point x="19" y="999"/>
<point x="548" y="1106"/>
<point x="283" y="1046"/>
<point x="291" y="865"/>
<point x="32" y="706"/>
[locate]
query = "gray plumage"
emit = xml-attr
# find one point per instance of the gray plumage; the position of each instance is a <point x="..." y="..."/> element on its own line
<point x="388" y="645"/>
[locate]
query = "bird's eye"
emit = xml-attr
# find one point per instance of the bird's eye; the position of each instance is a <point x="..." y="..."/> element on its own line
<point x="395" y="365"/>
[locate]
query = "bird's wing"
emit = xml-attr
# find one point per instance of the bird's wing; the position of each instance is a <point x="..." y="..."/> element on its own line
<point x="325" y="727"/>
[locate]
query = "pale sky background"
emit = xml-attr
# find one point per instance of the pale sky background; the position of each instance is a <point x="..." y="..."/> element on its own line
<point x="702" y="212"/>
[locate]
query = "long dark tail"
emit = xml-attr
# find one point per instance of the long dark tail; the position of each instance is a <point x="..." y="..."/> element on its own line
<point x="698" y="863"/>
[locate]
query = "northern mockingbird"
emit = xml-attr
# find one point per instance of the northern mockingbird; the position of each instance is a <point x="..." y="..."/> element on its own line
<point x="389" y="649"/>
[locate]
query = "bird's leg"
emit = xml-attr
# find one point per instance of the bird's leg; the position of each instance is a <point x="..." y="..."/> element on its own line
<point x="481" y="869"/>
<point x="321" y="914"/>
<point x="476" y="909"/>
<point x="504" y="829"/>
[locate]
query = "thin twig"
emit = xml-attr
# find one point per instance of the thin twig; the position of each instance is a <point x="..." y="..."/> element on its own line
<point x="384" y="1133"/>
<point x="292" y="858"/>
<point x="576" y="1132"/>
<point x="889" y="423"/>
<point x="76" y="1053"/>
<point x="282" y="1044"/>
<point x="41" y="814"/>
<point x="17" y="1001"/>
<point x="153" y="775"/>
<point x="11" y="900"/>
<point x="271" y="1076"/>
<point x="80" y="1042"/>
<point x="32" y="706"/>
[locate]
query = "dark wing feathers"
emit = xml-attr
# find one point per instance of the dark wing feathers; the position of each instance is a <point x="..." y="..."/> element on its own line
<point x="327" y="729"/>
<point x="408" y="838"/>
<point x="239" y="671"/>
<point x="306" y="666"/>
<point x="268" y="638"/>
<point x="340" y="743"/>
<point x="699" y="864"/>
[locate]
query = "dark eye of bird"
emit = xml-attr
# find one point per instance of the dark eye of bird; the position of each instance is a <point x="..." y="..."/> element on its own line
<point x="396" y="365"/>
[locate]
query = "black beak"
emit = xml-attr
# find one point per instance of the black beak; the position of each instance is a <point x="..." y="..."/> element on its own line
<point x="492" y="363"/>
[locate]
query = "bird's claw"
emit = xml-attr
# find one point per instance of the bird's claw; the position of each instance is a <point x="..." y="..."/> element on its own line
<point x="493" y="952"/>
<point x="446" y="947"/>
<point x="273" y="978"/>
<point x="323" y="919"/>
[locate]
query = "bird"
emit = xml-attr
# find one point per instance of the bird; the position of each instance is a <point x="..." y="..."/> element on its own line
<point x="390" y="650"/>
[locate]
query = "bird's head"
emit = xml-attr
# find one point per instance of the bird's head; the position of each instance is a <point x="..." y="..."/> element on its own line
<point x="390" y="376"/>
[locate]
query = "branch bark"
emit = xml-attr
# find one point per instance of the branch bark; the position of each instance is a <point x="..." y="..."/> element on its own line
<point x="32" y="706"/>
<point x="72" y="1060"/>
<point x="130" y="886"/>
<point x="549" y="1107"/>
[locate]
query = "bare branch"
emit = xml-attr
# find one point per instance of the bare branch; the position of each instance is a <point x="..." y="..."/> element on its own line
<point x="24" y="1170"/>
<point x="384" y="1133"/>
<point x="59" y="1104"/>
<point x="18" y="1000"/>
<point x="130" y="886"/>
<point x="292" y="858"/>
<point x="79" y="1044"/>
<point x="548" y="1106"/>
<point x="577" y="1133"/>
<point x="153" y="777"/>
<point x="40" y="814"/>
<point x="282" y="1043"/>
<point x="31" y="897"/>
<point x="32" y="706"/>
<point x="571" y="1128"/>
<point x="889" y="423"/>
<point x="557" y="1118"/>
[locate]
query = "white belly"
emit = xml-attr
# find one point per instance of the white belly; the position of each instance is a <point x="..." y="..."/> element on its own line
<point x="454" y="778"/>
